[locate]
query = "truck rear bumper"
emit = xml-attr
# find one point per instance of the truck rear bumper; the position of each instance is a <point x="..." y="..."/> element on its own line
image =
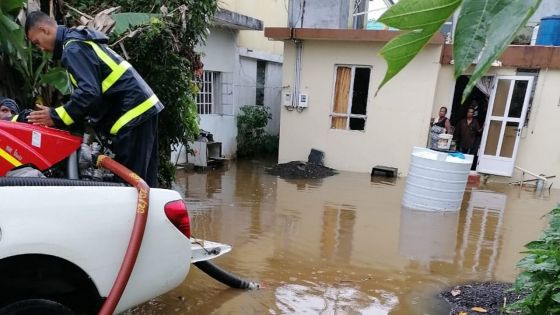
<point x="202" y="250"/>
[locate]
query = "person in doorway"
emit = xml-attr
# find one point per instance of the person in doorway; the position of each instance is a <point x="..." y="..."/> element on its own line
<point x="9" y="109"/>
<point x="442" y="125"/>
<point x="108" y="93"/>
<point x="467" y="132"/>
<point x="479" y="112"/>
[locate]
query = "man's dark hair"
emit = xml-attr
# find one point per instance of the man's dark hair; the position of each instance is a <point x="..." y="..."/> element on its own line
<point x="443" y="107"/>
<point x="37" y="17"/>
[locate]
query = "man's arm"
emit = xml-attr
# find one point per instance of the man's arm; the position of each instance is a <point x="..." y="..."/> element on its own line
<point x="82" y="63"/>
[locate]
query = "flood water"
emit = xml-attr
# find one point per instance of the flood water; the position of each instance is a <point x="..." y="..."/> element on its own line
<point x="344" y="244"/>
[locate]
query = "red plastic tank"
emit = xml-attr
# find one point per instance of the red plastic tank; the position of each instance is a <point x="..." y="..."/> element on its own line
<point x="43" y="147"/>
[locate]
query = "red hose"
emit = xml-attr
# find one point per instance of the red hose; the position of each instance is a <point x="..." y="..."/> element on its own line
<point x="137" y="231"/>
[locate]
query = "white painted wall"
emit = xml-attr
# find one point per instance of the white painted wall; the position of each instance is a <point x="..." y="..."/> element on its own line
<point x="538" y="150"/>
<point x="245" y="82"/>
<point x="273" y="13"/>
<point x="220" y="54"/>
<point x="397" y="117"/>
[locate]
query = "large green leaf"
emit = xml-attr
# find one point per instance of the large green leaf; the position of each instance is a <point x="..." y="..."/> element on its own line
<point x="504" y="18"/>
<point x="9" y="6"/>
<point x="126" y="21"/>
<point x="58" y="78"/>
<point x="422" y="18"/>
<point x="556" y="297"/>
<point x="473" y="25"/>
<point x="8" y="23"/>
<point x="12" y="41"/>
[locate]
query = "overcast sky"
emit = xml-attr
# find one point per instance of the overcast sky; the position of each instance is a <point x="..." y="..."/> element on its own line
<point x="377" y="7"/>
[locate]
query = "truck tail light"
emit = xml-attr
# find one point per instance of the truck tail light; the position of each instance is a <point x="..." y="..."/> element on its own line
<point x="176" y="212"/>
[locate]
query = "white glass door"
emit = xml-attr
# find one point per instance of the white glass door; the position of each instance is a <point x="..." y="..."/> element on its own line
<point x="504" y="121"/>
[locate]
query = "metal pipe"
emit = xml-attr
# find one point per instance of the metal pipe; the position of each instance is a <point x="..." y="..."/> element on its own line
<point x="530" y="173"/>
<point x="298" y="66"/>
<point x="73" y="166"/>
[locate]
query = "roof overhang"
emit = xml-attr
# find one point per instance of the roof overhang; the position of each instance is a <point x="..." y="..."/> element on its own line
<point x="518" y="56"/>
<point x="236" y="21"/>
<point x="283" y="33"/>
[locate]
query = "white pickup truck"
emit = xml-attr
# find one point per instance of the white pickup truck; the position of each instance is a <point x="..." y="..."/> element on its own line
<point x="61" y="247"/>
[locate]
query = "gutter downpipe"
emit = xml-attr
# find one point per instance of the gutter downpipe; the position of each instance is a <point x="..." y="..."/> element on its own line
<point x="296" y="82"/>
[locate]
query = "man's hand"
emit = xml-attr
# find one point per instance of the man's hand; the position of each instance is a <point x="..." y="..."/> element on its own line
<point x="41" y="116"/>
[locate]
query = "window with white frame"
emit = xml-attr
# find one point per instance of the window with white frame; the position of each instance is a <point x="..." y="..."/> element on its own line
<point x="350" y="97"/>
<point x="209" y="96"/>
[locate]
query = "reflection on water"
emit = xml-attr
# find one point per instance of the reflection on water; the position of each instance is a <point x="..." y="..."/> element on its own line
<point x="427" y="236"/>
<point x="481" y="232"/>
<point x="344" y="244"/>
<point x="314" y="299"/>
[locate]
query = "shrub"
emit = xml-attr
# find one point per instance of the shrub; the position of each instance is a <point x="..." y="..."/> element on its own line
<point x="252" y="139"/>
<point x="540" y="276"/>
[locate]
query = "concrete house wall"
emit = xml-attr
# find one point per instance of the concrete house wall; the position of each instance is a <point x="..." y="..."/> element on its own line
<point x="396" y="118"/>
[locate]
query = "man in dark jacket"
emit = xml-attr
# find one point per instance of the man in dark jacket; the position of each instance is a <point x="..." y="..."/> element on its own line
<point x="108" y="92"/>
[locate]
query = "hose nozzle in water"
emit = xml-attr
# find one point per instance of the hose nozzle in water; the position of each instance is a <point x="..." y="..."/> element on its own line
<point x="225" y="277"/>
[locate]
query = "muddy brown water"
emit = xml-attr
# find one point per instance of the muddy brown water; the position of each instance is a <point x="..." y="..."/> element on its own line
<point x="344" y="244"/>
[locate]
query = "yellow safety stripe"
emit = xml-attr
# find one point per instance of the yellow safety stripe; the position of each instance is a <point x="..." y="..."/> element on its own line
<point x="63" y="114"/>
<point x="117" y="69"/>
<point x="15" y="118"/>
<point x="114" y="76"/>
<point x="102" y="55"/>
<point x="133" y="113"/>
<point x="12" y="160"/>
<point x="72" y="79"/>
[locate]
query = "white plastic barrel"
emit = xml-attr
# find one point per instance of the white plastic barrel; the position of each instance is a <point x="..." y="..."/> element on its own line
<point x="436" y="180"/>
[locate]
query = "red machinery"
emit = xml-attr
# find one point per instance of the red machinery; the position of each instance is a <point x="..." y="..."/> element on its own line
<point x="43" y="147"/>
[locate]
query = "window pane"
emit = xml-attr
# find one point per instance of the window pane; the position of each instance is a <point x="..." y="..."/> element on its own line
<point x="500" y="101"/>
<point x="510" y="136"/>
<point x="360" y="91"/>
<point x="493" y="136"/>
<point x="518" y="98"/>
<point x="261" y="80"/>
<point x="339" y="123"/>
<point x="357" y="123"/>
<point x="342" y="89"/>
<point x="206" y="98"/>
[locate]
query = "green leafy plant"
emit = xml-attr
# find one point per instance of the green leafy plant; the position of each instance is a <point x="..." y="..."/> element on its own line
<point x="252" y="139"/>
<point x="30" y="69"/>
<point x="540" y="276"/>
<point x="484" y="30"/>
<point x="129" y="20"/>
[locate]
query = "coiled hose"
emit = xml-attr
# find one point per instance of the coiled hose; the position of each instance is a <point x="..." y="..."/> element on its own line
<point x="225" y="277"/>
<point x="36" y="181"/>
